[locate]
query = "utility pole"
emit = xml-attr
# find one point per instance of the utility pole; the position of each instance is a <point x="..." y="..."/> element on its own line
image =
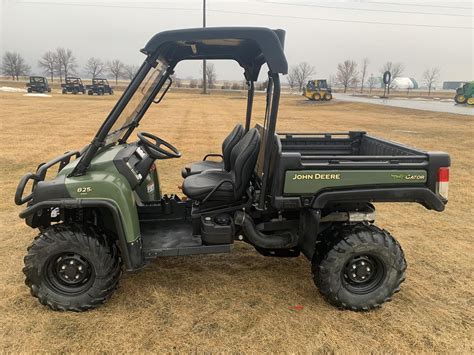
<point x="204" y="78"/>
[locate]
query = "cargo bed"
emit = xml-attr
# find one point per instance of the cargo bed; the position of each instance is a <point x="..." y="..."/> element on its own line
<point x="312" y="169"/>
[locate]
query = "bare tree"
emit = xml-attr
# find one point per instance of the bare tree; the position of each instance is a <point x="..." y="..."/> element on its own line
<point x="9" y="64"/>
<point x="14" y="65"/>
<point x="116" y="68"/>
<point x="346" y="74"/>
<point x="48" y="64"/>
<point x="304" y="70"/>
<point x="129" y="71"/>
<point x="299" y="74"/>
<point x="395" y="69"/>
<point x="292" y="76"/>
<point x="94" y="67"/>
<point x="211" y="75"/>
<point x="65" y="62"/>
<point x="430" y="77"/>
<point x="372" y="82"/>
<point x="363" y="73"/>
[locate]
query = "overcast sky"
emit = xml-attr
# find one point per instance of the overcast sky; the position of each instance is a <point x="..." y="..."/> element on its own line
<point x="322" y="33"/>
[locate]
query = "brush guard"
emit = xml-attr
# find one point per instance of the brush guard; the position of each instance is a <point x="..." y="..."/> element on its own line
<point x="40" y="175"/>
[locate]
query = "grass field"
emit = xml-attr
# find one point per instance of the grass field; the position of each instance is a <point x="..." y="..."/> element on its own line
<point x="243" y="301"/>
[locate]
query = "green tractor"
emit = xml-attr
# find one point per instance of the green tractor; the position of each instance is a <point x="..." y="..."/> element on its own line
<point x="465" y="94"/>
<point x="285" y="194"/>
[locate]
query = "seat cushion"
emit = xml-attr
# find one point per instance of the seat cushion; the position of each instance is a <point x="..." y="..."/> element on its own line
<point x="198" y="186"/>
<point x="200" y="166"/>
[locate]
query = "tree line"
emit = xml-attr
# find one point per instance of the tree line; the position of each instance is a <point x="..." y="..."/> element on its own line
<point x="61" y="63"/>
<point x="350" y="75"/>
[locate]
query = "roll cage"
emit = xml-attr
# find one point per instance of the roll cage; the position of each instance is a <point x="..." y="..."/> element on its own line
<point x="73" y="80"/>
<point x="38" y="80"/>
<point x="250" y="47"/>
<point x="100" y="81"/>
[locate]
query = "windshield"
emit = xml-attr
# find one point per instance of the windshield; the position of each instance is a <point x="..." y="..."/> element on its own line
<point x="136" y="103"/>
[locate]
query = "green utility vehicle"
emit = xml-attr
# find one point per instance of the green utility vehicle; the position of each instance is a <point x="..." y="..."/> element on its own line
<point x="100" y="86"/>
<point x="73" y="86"/>
<point x="38" y="84"/>
<point x="465" y="94"/>
<point x="283" y="193"/>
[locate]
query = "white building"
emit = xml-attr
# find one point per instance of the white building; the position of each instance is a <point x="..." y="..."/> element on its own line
<point x="404" y="83"/>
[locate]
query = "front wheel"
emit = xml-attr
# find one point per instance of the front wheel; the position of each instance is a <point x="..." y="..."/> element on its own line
<point x="72" y="267"/>
<point x="361" y="268"/>
<point x="316" y="97"/>
<point x="328" y="96"/>
<point x="460" y="99"/>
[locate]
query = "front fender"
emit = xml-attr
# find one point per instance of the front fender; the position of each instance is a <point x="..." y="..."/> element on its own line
<point x="131" y="252"/>
<point x="104" y="185"/>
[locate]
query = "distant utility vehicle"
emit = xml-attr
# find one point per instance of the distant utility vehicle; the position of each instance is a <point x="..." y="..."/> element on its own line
<point x="38" y="84"/>
<point x="283" y="193"/>
<point x="73" y="86"/>
<point x="317" y="90"/>
<point x="100" y="87"/>
<point x="465" y="94"/>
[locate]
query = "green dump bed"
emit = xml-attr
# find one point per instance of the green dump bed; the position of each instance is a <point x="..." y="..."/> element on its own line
<point x="313" y="169"/>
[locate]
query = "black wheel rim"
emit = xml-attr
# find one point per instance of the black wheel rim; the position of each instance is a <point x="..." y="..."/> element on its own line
<point x="69" y="273"/>
<point x="363" y="273"/>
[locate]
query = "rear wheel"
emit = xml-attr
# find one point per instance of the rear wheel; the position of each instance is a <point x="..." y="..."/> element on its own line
<point x="316" y="97"/>
<point x="470" y="101"/>
<point x="328" y="96"/>
<point x="72" y="267"/>
<point x="361" y="268"/>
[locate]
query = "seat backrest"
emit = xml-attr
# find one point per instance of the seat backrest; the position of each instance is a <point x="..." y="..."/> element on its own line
<point x="243" y="159"/>
<point x="229" y="143"/>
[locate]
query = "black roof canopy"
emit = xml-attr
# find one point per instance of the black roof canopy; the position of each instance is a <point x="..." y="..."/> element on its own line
<point x="251" y="47"/>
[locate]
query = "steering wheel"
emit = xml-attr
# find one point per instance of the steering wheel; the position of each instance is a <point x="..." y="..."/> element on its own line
<point x="155" y="150"/>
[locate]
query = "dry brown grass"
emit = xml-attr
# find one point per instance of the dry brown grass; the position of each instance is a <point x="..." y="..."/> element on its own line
<point x="241" y="301"/>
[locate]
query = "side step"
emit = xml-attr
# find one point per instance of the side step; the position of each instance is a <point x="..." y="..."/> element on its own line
<point x="203" y="249"/>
